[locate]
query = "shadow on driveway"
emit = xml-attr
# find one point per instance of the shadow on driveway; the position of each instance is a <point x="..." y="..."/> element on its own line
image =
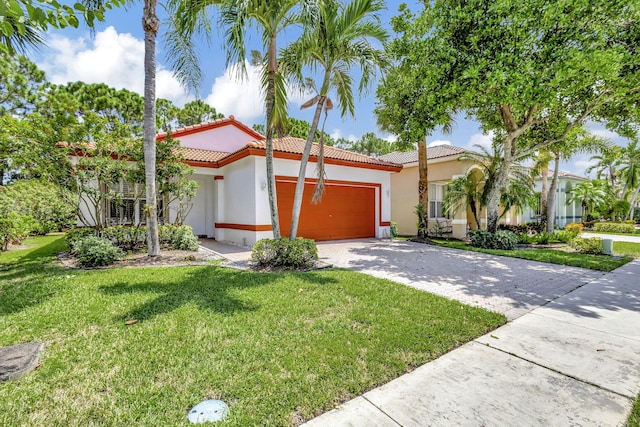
<point x="507" y="285"/>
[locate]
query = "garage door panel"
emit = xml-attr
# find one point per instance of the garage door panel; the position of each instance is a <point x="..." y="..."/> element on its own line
<point x="345" y="212"/>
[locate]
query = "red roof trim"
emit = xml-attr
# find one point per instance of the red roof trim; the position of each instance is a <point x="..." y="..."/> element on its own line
<point x="226" y="121"/>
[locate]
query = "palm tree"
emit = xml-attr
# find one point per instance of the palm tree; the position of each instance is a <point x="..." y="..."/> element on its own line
<point x="607" y="163"/>
<point x="271" y="17"/>
<point x="462" y="192"/>
<point x="630" y="172"/>
<point x="340" y="38"/>
<point x="518" y="192"/>
<point x="150" y="25"/>
<point x="588" y="194"/>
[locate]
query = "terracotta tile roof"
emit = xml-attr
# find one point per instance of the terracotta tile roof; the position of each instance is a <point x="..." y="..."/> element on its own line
<point x="211" y="125"/>
<point x="435" y="152"/>
<point x="293" y="145"/>
<point x="197" y="155"/>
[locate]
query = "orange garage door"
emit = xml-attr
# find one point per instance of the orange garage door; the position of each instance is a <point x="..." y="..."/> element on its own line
<point x="345" y="212"/>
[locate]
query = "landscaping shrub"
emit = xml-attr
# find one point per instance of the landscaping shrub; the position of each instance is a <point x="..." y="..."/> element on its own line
<point x="574" y="227"/>
<point x="14" y="228"/>
<point x="562" y="236"/>
<point x="298" y="253"/>
<point x="184" y="239"/>
<point x="126" y="237"/>
<point x="39" y="200"/>
<point x="502" y="239"/>
<point x="614" y="227"/>
<point x="525" y="239"/>
<point x="134" y="238"/>
<point x="591" y="245"/>
<point x="74" y="235"/>
<point x="394" y="229"/>
<point x="94" y="251"/>
<point x="542" y="238"/>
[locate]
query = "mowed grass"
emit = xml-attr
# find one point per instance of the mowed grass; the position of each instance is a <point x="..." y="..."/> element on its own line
<point x="627" y="249"/>
<point x="634" y="418"/>
<point x="278" y="348"/>
<point x="552" y="256"/>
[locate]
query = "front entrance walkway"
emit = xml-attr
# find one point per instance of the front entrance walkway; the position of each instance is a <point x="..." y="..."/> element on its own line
<point x="507" y="285"/>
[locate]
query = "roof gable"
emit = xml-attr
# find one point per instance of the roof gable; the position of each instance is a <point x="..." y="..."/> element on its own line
<point x="223" y="135"/>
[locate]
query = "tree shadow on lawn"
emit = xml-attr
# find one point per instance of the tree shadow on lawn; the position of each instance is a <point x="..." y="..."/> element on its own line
<point x="210" y="288"/>
<point x="33" y="277"/>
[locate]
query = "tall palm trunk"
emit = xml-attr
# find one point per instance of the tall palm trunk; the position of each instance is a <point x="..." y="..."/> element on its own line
<point x="633" y="201"/>
<point x="423" y="187"/>
<point x="150" y="24"/>
<point x="544" y="193"/>
<point x="551" y="197"/>
<point x="297" y="200"/>
<point x="272" y="69"/>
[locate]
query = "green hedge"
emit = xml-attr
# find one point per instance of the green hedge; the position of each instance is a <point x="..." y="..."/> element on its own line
<point x="614" y="227"/>
<point x="134" y="238"/>
<point x="285" y="253"/>
<point x="591" y="245"/>
<point x="501" y="239"/>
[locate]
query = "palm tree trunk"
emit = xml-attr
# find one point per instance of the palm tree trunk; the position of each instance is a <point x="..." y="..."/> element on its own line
<point x="271" y="99"/>
<point x="544" y="193"/>
<point x="297" y="199"/>
<point x="633" y="201"/>
<point x="551" y="197"/>
<point x="423" y="187"/>
<point x="150" y="24"/>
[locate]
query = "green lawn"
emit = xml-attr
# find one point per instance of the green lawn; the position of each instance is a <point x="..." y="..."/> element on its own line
<point x="594" y="262"/>
<point x="628" y="249"/>
<point x="634" y="418"/>
<point x="276" y="347"/>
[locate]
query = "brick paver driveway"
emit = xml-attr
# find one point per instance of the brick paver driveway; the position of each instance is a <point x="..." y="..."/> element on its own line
<point x="507" y="285"/>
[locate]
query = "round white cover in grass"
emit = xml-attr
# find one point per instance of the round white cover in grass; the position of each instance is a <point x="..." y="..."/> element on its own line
<point x="209" y="410"/>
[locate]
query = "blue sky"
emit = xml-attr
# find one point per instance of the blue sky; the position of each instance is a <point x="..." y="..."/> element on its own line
<point x="114" y="55"/>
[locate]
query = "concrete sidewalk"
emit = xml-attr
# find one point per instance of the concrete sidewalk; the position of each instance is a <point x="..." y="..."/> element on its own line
<point x="574" y="361"/>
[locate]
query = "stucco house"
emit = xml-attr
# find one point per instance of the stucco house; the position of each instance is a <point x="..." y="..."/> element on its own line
<point x="231" y="204"/>
<point x="566" y="212"/>
<point x="444" y="165"/>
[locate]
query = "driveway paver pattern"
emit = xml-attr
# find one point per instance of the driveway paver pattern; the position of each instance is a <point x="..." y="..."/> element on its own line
<point x="506" y="285"/>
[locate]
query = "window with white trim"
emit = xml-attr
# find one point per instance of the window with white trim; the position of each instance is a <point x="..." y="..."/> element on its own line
<point x="126" y="206"/>
<point x="436" y="196"/>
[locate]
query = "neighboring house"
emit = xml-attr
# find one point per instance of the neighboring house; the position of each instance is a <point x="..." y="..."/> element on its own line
<point x="566" y="212"/>
<point x="232" y="205"/>
<point x="444" y="165"/>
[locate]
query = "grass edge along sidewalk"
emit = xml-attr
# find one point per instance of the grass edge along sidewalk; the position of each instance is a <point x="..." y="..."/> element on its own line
<point x="278" y="348"/>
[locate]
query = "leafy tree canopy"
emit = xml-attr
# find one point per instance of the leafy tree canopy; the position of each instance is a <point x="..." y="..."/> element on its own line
<point x="511" y="66"/>
<point x="20" y="83"/>
<point x="23" y="21"/>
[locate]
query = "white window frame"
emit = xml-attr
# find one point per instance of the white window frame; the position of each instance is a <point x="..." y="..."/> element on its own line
<point x="436" y="197"/>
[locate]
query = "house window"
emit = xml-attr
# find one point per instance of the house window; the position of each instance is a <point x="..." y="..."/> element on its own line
<point x="127" y="204"/>
<point x="122" y="205"/>
<point x="436" y="195"/>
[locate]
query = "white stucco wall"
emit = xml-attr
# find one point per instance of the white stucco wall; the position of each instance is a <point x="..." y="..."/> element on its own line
<point x="241" y="196"/>
<point x="225" y="138"/>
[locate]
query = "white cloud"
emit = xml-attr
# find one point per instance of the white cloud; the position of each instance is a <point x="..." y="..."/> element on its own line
<point x="391" y="138"/>
<point x="580" y="165"/>
<point x="116" y="59"/>
<point x="241" y="97"/>
<point x="484" y="140"/>
<point x="439" y="142"/>
<point x="337" y="134"/>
